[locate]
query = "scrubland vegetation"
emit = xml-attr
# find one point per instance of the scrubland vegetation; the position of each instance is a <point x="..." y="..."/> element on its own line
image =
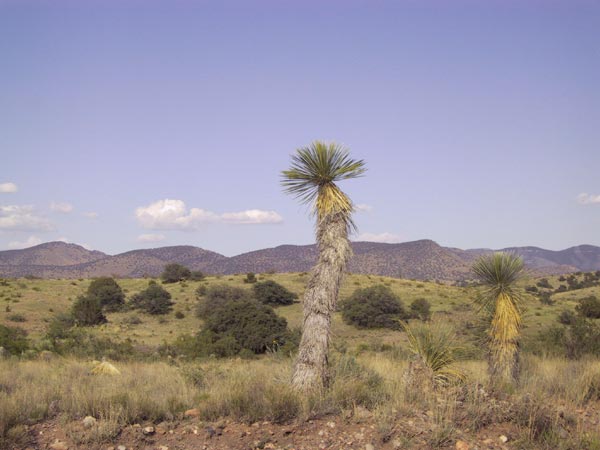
<point x="200" y="354"/>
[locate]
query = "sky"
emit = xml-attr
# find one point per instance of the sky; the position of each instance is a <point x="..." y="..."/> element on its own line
<point x="131" y="124"/>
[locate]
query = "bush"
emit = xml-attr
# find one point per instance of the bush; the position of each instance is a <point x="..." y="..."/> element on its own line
<point x="201" y="291"/>
<point x="87" y="311"/>
<point x="17" y="318"/>
<point x="421" y="309"/>
<point x="589" y="307"/>
<point x="250" y="278"/>
<point x="108" y="292"/>
<point x="179" y="315"/>
<point x="153" y="300"/>
<point x="374" y="307"/>
<point x="13" y="340"/>
<point x="217" y="295"/>
<point x="567" y="317"/>
<point x="197" y="275"/>
<point x="272" y="293"/>
<point x="544" y="283"/>
<point x="254" y="326"/>
<point x="174" y="273"/>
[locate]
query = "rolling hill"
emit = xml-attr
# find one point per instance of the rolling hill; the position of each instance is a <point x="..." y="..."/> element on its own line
<point x="423" y="259"/>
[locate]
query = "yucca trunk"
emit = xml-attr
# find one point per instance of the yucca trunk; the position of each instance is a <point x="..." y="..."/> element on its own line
<point x="311" y="366"/>
<point x="504" y="340"/>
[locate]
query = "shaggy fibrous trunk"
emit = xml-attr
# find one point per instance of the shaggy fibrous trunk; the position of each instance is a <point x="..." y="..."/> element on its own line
<point x="504" y="341"/>
<point x="320" y="298"/>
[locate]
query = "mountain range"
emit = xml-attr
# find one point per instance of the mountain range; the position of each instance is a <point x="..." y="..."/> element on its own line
<point x="423" y="259"/>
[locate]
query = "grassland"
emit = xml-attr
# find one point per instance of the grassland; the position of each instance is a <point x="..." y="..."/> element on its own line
<point x="556" y="405"/>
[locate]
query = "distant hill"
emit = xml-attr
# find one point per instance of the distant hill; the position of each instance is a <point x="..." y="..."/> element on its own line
<point x="50" y="254"/>
<point x="422" y="260"/>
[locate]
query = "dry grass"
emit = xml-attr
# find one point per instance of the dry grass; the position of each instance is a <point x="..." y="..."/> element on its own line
<point x="256" y="390"/>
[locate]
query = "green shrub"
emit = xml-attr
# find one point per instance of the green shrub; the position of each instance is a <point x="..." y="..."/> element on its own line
<point x="201" y="291"/>
<point x="179" y="315"/>
<point x="17" y="318"/>
<point x="589" y="307"/>
<point x="567" y="317"/>
<point x="197" y="275"/>
<point x="87" y="311"/>
<point x="271" y="293"/>
<point x="544" y="283"/>
<point x="254" y="326"/>
<point x="219" y="294"/>
<point x="374" y="307"/>
<point x="421" y="309"/>
<point x="13" y="340"/>
<point x="108" y="292"/>
<point x="250" y="278"/>
<point x="153" y="300"/>
<point x="174" y="273"/>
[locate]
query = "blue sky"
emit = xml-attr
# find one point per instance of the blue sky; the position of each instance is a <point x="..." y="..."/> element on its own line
<point x="127" y="124"/>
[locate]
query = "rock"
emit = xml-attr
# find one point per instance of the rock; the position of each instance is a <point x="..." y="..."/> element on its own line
<point x="461" y="445"/>
<point x="210" y="431"/>
<point x="503" y="439"/>
<point x="148" y="430"/>
<point x="396" y="444"/>
<point x="59" y="445"/>
<point x="121" y="447"/>
<point x="369" y="447"/>
<point x="163" y="447"/>
<point x="194" y="412"/>
<point x="89" y="422"/>
<point x="331" y="424"/>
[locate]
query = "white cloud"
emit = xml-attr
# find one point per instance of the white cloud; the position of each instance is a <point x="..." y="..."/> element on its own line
<point x="363" y="207"/>
<point x="61" y="207"/>
<point x="389" y="238"/>
<point x="588" y="199"/>
<point x="8" y="188"/>
<point x="252" y="216"/>
<point x="29" y="242"/>
<point x="151" y="237"/>
<point x="23" y="218"/>
<point x="91" y="215"/>
<point x="174" y="215"/>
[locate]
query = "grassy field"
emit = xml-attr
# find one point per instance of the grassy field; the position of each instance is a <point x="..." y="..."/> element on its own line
<point x="555" y="405"/>
<point x="34" y="302"/>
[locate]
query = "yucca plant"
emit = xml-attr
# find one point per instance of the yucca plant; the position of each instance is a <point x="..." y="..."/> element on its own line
<point x="433" y="345"/>
<point x="500" y="299"/>
<point x="312" y="178"/>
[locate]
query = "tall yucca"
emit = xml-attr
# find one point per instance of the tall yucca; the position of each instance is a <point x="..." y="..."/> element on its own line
<point x="500" y="298"/>
<point x="312" y="178"/>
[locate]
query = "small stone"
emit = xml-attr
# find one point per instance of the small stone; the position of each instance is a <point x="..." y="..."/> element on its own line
<point x="89" y="421"/>
<point x="148" y="430"/>
<point x="396" y="444"/>
<point x="369" y="447"/>
<point x="488" y="441"/>
<point x="503" y="439"/>
<point x="461" y="445"/>
<point x="331" y="424"/>
<point x="59" y="445"/>
<point x="163" y="447"/>
<point x="121" y="447"/>
<point x="194" y="412"/>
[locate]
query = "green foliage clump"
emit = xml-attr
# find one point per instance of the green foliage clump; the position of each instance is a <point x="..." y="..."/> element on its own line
<point x="201" y="291"/>
<point x="421" y="309"/>
<point x="13" y="340"/>
<point x="16" y="318"/>
<point x="197" y="275"/>
<point x="589" y="307"/>
<point x="108" y="292"/>
<point x="153" y="300"/>
<point x="271" y="293"/>
<point x="250" y="278"/>
<point x="254" y="326"/>
<point x="374" y="307"/>
<point x="217" y="295"/>
<point x="174" y="273"/>
<point x="87" y="311"/>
